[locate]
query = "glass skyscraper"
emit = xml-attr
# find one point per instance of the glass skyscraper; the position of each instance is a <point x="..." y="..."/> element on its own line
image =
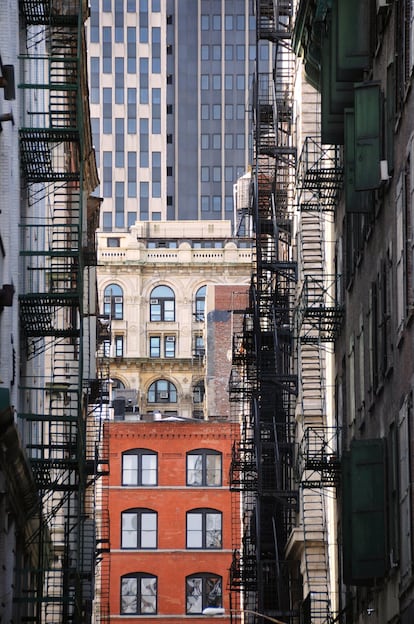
<point x="170" y="106"/>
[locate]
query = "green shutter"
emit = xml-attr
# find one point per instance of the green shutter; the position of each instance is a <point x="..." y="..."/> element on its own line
<point x="364" y="513"/>
<point x="368" y="120"/>
<point x="353" y="42"/>
<point x="355" y="201"/>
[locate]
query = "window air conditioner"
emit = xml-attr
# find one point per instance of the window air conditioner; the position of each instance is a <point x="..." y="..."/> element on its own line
<point x="163" y="395"/>
<point x="153" y="300"/>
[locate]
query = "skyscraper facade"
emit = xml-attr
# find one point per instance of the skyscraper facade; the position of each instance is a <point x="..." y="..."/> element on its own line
<point x="170" y="106"/>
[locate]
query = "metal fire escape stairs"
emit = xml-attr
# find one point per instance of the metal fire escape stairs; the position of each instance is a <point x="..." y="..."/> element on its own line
<point x="57" y="321"/>
<point x="318" y="319"/>
<point x="263" y="462"/>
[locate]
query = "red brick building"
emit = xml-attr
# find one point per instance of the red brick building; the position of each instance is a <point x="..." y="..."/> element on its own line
<point x="170" y="518"/>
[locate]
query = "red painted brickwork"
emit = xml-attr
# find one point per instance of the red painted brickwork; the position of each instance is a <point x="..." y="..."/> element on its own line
<point x="171" y="562"/>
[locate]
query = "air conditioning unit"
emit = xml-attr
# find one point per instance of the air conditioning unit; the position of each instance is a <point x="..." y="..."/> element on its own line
<point x="153" y="301"/>
<point x="118" y="299"/>
<point x="163" y="395"/>
<point x="170" y="339"/>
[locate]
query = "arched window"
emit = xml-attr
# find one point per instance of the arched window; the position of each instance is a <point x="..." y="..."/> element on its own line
<point x="162" y="304"/>
<point x="139" y="593"/>
<point x="139" y="467"/>
<point x="114" y="301"/>
<point x="203" y="590"/>
<point x="198" y="392"/>
<point x="204" y="529"/>
<point x="204" y="468"/>
<point x="162" y="391"/>
<point x="200" y="304"/>
<point x="139" y="528"/>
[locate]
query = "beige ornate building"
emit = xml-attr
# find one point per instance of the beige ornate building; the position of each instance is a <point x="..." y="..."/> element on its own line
<point x="156" y="283"/>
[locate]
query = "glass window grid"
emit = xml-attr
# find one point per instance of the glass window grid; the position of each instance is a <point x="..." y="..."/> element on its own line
<point x="139" y="529"/>
<point x="204" y="529"/>
<point x="132" y="110"/>
<point x="119" y="142"/>
<point x="107" y="110"/>
<point x="162" y="391"/>
<point x="204" y="468"/>
<point x="119" y="21"/>
<point x="139" y="468"/>
<point x="203" y="590"/>
<point x="138" y="594"/>
<point x="107" y="49"/>
<point x="143" y="81"/>
<point x="131" y="50"/>
<point x="119" y="80"/>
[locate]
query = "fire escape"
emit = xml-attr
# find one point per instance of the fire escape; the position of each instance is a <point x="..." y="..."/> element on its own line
<point x="318" y="321"/>
<point x="263" y="379"/>
<point x="58" y="313"/>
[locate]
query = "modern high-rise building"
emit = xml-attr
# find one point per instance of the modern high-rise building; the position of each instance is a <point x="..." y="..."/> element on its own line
<point x="170" y="106"/>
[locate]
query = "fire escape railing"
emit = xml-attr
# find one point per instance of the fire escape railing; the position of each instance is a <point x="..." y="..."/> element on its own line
<point x="59" y="171"/>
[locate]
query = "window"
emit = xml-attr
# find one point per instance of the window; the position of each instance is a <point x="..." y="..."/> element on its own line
<point x="205" y="49"/>
<point x="202" y="590"/>
<point x="114" y="302"/>
<point x="228" y="52"/>
<point x="131" y="50"/>
<point x="228" y="82"/>
<point x="156" y="50"/>
<point x="119" y="80"/>
<point x="216" y="111"/>
<point x="162" y="391"/>
<point x="198" y="392"/>
<point x="200" y="302"/>
<point x="139" y="467"/>
<point x="119" y="346"/>
<point x="139" y="529"/>
<point x="204" y="529"/>
<point x="119" y="21"/>
<point x="216" y="82"/>
<point x="162" y="304"/>
<point x="204" y="468"/>
<point x="216" y="53"/>
<point x="205" y="82"/>
<point x="107" y="50"/>
<point x="205" y="111"/>
<point x="199" y="346"/>
<point x="139" y="593"/>
<point x="132" y="174"/>
<point x="107" y="110"/>
<point x="205" y="22"/>
<point x="216" y="22"/>
<point x="119" y="142"/>
<point x="132" y="111"/>
<point x="143" y="81"/>
<point x="95" y="83"/>
<point x="169" y="346"/>
<point x="155" y="346"/>
<point x="205" y="174"/>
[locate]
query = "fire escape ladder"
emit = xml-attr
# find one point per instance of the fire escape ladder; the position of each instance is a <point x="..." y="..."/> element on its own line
<point x="319" y="311"/>
<point x="316" y="579"/>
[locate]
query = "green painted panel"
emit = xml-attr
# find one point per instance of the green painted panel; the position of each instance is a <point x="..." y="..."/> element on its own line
<point x="332" y="119"/>
<point x="368" y="125"/>
<point x="355" y="201"/>
<point x="353" y="41"/>
<point x="364" y="513"/>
